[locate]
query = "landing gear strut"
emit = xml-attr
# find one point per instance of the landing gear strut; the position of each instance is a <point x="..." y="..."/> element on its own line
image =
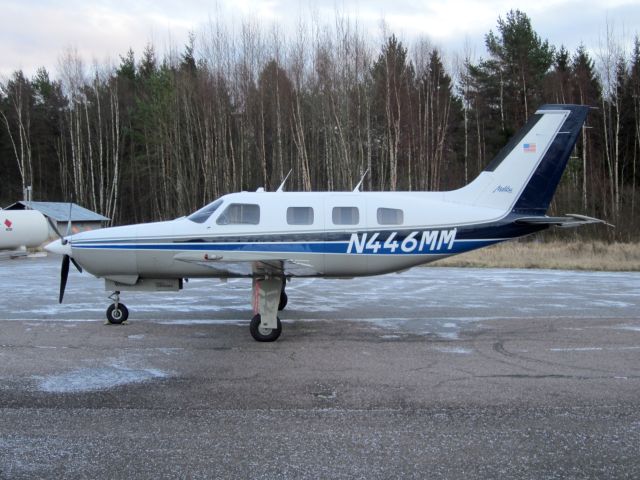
<point x="268" y="297"/>
<point x="117" y="312"/>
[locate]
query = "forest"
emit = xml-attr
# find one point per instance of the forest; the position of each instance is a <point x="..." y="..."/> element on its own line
<point x="153" y="137"/>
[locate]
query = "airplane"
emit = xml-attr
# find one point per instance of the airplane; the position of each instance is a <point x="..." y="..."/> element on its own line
<point x="273" y="237"/>
<point x="22" y="228"/>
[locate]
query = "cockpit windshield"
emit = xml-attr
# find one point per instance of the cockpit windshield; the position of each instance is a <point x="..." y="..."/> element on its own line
<point x="202" y="215"/>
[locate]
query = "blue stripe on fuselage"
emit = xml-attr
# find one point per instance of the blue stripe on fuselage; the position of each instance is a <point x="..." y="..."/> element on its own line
<point x="458" y="246"/>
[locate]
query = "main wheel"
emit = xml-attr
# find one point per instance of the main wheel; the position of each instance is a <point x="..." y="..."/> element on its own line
<point x="261" y="334"/>
<point x="117" y="315"/>
<point x="283" y="300"/>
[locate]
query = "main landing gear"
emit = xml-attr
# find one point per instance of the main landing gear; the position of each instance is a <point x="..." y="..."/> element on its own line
<point x="117" y="312"/>
<point x="268" y="298"/>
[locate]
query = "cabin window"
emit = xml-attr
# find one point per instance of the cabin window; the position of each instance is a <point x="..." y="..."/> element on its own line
<point x="299" y="215"/>
<point x="240" y="214"/>
<point x="346" y="215"/>
<point x="390" y="216"/>
<point x="202" y="215"/>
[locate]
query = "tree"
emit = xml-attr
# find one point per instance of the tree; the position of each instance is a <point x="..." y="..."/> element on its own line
<point x="586" y="90"/>
<point x="437" y="113"/>
<point x="393" y="79"/>
<point x="629" y="93"/>
<point x="633" y="127"/>
<point x="48" y="125"/>
<point x="15" y="113"/>
<point x="558" y="82"/>
<point x="524" y="60"/>
<point x="510" y="82"/>
<point x="275" y="96"/>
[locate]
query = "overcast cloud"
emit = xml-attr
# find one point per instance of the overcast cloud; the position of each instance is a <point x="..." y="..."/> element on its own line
<point x="35" y="33"/>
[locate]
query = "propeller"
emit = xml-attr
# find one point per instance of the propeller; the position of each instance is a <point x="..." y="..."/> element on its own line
<point x="53" y="226"/>
<point x="66" y="258"/>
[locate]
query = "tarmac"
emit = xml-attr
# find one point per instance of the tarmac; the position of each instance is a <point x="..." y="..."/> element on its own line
<point x="433" y="373"/>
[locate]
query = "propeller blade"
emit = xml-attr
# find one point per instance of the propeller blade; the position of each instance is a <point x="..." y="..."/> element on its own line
<point x="69" y="222"/>
<point x="54" y="227"/>
<point x="76" y="264"/>
<point x="64" y="273"/>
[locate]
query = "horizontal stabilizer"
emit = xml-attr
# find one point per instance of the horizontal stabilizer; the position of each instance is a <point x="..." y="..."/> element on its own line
<point x="568" y="221"/>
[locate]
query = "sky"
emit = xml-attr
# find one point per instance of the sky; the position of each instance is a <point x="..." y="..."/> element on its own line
<point x="35" y="33"/>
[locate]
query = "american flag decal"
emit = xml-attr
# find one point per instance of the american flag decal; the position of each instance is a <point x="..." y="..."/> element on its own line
<point x="529" y="147"/>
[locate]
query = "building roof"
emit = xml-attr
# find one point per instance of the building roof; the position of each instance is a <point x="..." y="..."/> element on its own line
<point x="59" y="211"/>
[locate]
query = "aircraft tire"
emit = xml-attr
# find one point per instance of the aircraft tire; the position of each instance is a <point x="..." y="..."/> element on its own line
<point x="259" y="334"/>
<point x="119" y="315"/>
<point x="284" y="299"/>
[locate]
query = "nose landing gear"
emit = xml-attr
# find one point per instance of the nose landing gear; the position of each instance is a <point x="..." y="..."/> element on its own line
<point x="117" y="313"/>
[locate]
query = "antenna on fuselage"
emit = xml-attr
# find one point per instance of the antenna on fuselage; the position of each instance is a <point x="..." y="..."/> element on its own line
<point x="357" y="189"/>
<point x="281" y="187"/>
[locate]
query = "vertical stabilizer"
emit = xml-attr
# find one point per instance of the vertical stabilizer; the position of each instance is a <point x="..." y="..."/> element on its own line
<point x="524" y="176"/>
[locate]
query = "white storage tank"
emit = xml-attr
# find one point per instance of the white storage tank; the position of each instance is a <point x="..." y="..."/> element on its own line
<point x="18" y="228"/>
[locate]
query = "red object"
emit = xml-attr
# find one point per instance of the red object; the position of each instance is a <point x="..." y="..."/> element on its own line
<point x="8" y="223"/>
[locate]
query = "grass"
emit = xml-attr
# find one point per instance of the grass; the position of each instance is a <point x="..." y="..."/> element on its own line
<point x="593" y="255"/>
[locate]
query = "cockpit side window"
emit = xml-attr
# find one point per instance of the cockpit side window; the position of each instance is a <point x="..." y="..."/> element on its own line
<point x="202" y="215"/>
<point x="240" y="214"/>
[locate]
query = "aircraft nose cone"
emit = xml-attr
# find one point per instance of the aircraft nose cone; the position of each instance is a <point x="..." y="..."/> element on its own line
<point x="58" y="248"/>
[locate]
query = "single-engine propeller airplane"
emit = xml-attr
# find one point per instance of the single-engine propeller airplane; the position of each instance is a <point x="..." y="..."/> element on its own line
<point x="272" y="237"/>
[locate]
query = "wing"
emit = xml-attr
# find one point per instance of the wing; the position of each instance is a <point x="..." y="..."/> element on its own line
<point x="249" y="265"/>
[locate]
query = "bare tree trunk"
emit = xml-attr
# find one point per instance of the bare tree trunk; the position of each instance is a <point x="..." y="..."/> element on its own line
<point x="369" y="143"/>
<point x="92" y="181"/>
<point x="584" y="167"/>
<point x="633" y="176"/>
<point x="114" y="190"/>
<point x="18" y="154"/>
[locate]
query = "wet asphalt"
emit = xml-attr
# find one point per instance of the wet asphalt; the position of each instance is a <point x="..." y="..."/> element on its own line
<point x="435" y="373"/>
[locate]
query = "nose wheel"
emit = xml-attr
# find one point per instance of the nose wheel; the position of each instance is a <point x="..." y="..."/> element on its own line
<point x="117" y="312"/>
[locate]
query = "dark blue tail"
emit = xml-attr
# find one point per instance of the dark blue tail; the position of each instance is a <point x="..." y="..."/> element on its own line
<point x="538" y="193"/>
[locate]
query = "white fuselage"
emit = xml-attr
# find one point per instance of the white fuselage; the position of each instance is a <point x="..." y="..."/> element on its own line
<point x="337" y="234"/>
